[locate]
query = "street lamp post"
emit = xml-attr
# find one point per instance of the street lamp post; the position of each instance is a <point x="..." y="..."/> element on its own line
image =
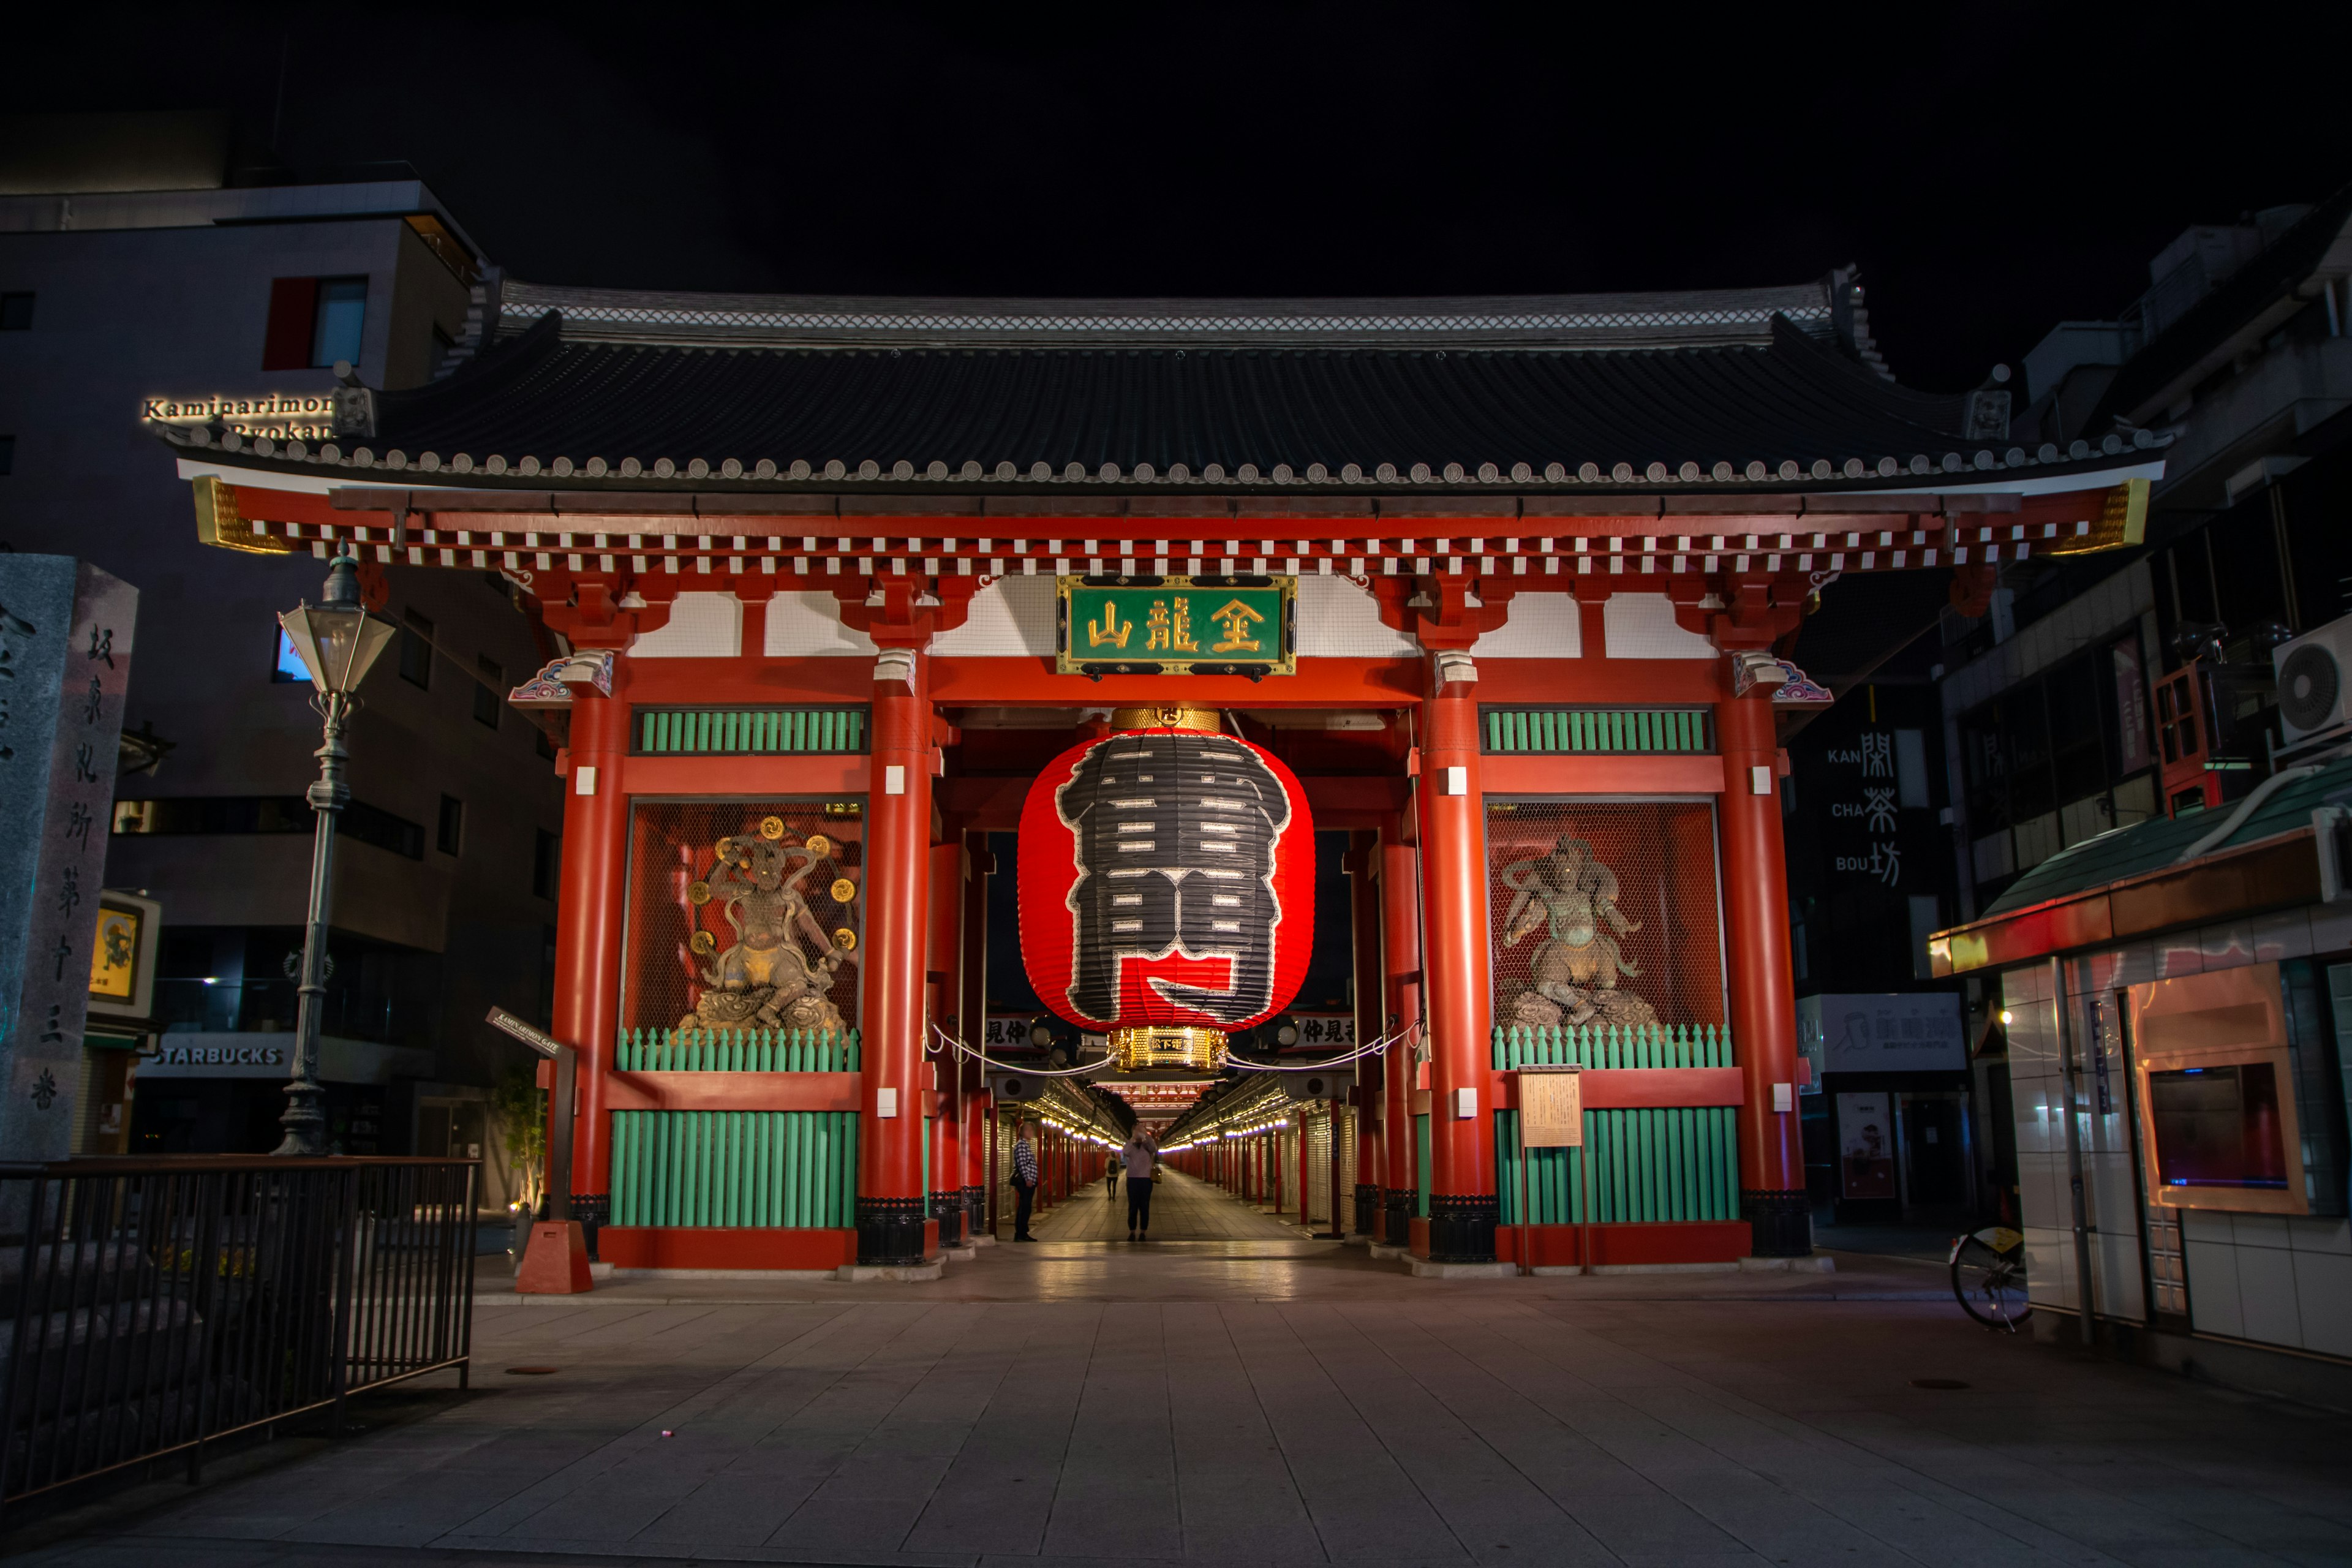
<point x="337" y="640"/>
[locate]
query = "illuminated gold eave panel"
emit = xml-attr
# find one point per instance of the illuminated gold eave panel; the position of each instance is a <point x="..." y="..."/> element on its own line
<point x="220" y="524"/>
<point x="2123" y="521"/>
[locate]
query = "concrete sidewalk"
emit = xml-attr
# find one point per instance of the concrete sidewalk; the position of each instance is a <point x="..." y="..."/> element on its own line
<point x="1299" y="1408"/>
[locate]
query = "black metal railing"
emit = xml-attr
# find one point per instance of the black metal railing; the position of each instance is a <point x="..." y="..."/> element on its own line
<point x="153" y="1306"/>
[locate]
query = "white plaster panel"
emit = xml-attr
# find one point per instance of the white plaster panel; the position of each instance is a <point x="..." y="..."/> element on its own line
<point x="2315" y="1233"/>
<point x="2229" y="946"/>
<point x="1012" y="617"/>
<point x="2281" y="936"/>
<point x="2214" y="1303"/>
<point x="1642" y="626"/>
<point x="2204" y="1225"/>
<point x="2180" y="955"/>
<point x="1541" y="625"/>
<point x="2115" y="1268"/>
<point x="2323" y="1288"/>
<point x="2331" y="928"/>
<point x="2266" y="1298"/>
<point x="2266" y="1230"/>
<point x="1339" y="620"/>
<point x="2038" y="1185"/>
<point x="2027" y="983"/>
<point x="2092" y="973"/>
<point x="700" y="625"/>
<point x="2137" y="965"/>
<point x="2049" y="1266"/>
<point x="808" y="626"/>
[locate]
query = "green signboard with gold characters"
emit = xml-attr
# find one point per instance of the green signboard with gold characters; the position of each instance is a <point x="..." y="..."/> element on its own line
<point x="1179" y="626"/>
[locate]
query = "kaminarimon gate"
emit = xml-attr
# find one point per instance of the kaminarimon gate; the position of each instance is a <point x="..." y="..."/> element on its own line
<point x="1507" y="586"/>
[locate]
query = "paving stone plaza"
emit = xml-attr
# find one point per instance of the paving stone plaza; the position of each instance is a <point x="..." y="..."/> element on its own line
<point x="1250" y="1396"/>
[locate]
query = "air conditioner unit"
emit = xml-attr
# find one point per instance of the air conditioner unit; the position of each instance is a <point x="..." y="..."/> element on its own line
<point x="2314" y="680"/>
<point x="1011" y="1087"/>
<point x="1332" y="1085"/>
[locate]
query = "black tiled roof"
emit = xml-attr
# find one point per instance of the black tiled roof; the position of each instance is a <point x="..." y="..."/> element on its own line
<point x="1737" y="390"/>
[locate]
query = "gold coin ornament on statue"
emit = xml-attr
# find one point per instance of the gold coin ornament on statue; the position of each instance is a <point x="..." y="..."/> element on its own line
<point x="844" y="889"/>
<point x="845" y="938"/>
<point x="772" y="828"/>
<point x="819" y="845"/>
<point x="725" y="850"/>
<point x="698" y="891"/>
<point x="704" y="943"/>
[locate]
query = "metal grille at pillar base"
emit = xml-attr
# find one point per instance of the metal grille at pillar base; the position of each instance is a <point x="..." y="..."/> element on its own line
<point x="947" y="1208"/>
<point x="1780" y="1224"/>
<point x="1462" y="1229"/>
<point x="1368" y="1209"/>
<point x="1397" y="1205"/>
<point x="890" y="1233"/>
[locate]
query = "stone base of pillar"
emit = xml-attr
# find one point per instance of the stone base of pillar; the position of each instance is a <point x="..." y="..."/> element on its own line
<point x="890" y="1233"/>
<point x="1462" y="1228"/>
<point x="1368" y="1209"/>
<point x="947" y="1209"/>
<point x="1397" y="1205"/>
<point x="593" y="1210"/>
<point x="1780" y="1223"/>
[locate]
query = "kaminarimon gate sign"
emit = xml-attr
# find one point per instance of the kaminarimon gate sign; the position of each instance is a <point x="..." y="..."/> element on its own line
<point x="1499" y="581"/>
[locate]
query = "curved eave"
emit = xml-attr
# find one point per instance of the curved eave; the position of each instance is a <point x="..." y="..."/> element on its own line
<point x="316" y="473"/>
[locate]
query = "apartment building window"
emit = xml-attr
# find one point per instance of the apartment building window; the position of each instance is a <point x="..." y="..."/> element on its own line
<point x="314" y="321"/>
<point x="15" y="313"/>
<point x="487" y="692"/>
<point x="451" y="839"/>
<point x="546" y="862"/>
<point x="417" y="651"/>
<point x="2057" y="760"/>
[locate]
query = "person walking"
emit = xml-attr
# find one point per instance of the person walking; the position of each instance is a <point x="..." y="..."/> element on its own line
<point x="1110" y="1173"/>
<point x="1140" y="1156"/>
<point x="1024" y="1179"/>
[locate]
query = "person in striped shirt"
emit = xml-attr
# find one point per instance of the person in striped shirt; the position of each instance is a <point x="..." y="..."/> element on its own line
<point x="1024" y="1179"/>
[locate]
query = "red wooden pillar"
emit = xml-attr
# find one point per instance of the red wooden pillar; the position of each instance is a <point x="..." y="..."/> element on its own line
<point x="1399" y="971"/>
<point x="1763" y="997"/>
<point x="891" y="1227"/>
<point x="1462" y="1207"/>
<point x="588" y="924"/>
<point x="971" y="1025"/>
<point x="1298" y="1163"/>
<point x="1371" y="1005"/>
<point x="944" y="948"/>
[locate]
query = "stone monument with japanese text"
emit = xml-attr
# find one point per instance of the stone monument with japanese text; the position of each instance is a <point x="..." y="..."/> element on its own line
<point x="65" y="664"/>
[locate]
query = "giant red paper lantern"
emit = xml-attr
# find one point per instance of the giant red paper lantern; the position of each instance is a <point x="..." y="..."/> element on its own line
<point x="1167" y="879"/>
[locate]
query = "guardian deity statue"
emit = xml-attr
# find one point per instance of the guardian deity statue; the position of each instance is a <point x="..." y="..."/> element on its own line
<point x="1572" y="897"/>
<point x="765" y="979"/>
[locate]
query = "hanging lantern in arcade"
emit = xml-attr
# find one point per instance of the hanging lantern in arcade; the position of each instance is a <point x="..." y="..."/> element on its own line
<point x="1167" y="877"/>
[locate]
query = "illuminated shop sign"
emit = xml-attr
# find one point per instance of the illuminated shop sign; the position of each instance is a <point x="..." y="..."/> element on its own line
<point x="284" y="416"/>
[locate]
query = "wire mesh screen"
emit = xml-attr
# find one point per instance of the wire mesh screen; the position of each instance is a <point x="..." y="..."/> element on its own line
<point x="744" y="914"/>
<point x="1603" y="914"/>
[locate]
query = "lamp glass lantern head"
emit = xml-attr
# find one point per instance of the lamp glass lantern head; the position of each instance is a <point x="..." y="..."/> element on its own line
<point x="336" y="639"/>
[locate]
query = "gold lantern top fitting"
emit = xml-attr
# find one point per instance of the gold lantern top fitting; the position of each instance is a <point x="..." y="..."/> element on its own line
<point x="1168" y="716"/>
<point x="1179" y="1046"/>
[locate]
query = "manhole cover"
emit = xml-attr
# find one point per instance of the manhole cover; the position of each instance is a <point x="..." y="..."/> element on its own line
<point x="1938" y="1383"/>
<point x="531" y="1371"/>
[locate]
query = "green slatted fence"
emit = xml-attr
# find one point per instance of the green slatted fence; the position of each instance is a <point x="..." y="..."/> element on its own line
<point x="1600" y="731"/>
<point x="747" y="731"/>
<point x="1673" y="1162"/>
<point x="1596" y="1045"/>
<point x="739" y="1050"/>
<point x="735" y="1168"/>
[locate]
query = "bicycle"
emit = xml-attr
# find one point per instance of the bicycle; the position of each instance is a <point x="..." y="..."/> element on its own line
<point x="1989" y="1277"/>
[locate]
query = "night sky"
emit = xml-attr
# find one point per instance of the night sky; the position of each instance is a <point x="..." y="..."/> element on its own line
<point x="1992" y="169"/>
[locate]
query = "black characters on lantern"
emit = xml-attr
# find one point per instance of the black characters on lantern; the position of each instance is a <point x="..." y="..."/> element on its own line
<point x="1175" y="836"/>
